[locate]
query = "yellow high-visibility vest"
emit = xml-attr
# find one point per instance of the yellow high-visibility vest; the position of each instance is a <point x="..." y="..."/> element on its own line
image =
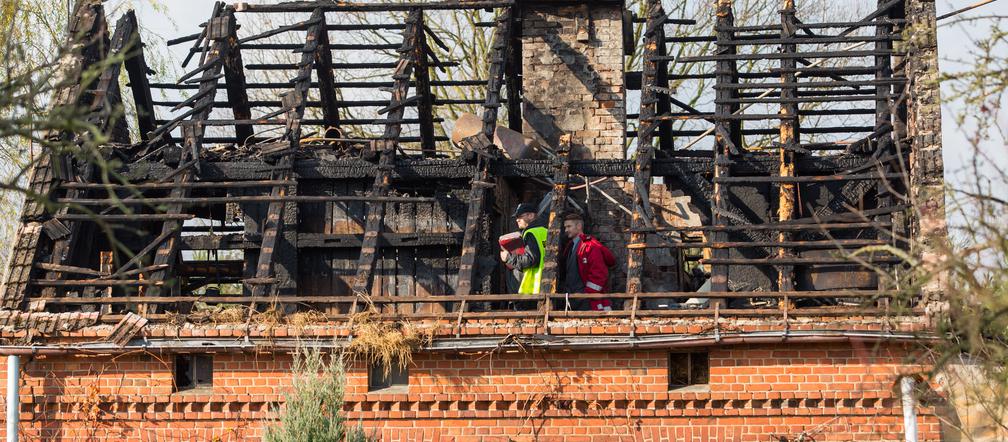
<point x="532" y="276"/>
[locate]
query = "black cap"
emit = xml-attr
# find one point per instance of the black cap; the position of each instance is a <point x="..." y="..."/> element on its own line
<point x="525" y="208"/>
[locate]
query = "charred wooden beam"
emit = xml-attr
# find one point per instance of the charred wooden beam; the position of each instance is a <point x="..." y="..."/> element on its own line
<point x="500" y="50"/>
<point x="781" y="56"/>
<point x="293" y="101"/>
<point x="166" y="244"/>
<point x="137" y="70"/>
<point x="791" y="179"/>
<point x="754" y="167"/>
<point x="200" y="185"/>
<point x="863" y="261"/>
<point x="193" y="133"/>
<point x="203" y="201"/>
<point x="476" y="232"/>
<point x="234" y="74"/>
<point x="340" y="84"/>
<point x="887" y="114"/>
<point x="812" y="226"/>
<point x="373" y="222"/>
<point x="867" y="23"/>
<point x="475" y="213"/>
<point x="642" y="215"/>
<point x="513" y="77"/>
<point x="660" y="78"/>
<point x="425" y="104"/>
<point x="235" y="241"/>
<point x="728" y="136"/>
<point x="554" y="235"/>
<point x="329" y="99"/>
<point x="328" y="6"/>
<point x="100" y="99"/>
<point x="836" y="244"/>
<point x="351" y="65"/>
<point x="787" y="191"/>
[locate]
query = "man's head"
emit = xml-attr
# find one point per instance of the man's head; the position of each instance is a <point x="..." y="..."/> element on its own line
<point x="573" y="225"/>
<point x="524" y="215"/>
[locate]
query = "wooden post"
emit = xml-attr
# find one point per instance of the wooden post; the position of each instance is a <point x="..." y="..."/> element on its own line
<point x="728" y="138"/>
<point x="548" y="283"/>
<point x="788" y="141"/>
<point x="642" y="215"/>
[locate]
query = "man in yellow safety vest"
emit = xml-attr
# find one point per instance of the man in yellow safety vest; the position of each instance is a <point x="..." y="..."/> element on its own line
<point x="530" y="262"/>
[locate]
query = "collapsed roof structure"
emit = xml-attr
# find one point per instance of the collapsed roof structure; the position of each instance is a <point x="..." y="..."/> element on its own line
<point x="791" y="195"/>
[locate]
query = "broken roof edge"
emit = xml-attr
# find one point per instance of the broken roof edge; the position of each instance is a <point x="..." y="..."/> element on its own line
<point x="331" y="6"/>
<point x="508" y="343"/>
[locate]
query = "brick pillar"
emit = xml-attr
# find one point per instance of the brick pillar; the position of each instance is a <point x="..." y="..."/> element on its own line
<point x="572" y="83"/>
<point x="572" y="79"/>
<point x="929" y="234"/>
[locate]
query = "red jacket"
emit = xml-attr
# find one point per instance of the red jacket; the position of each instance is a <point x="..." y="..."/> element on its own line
<point x="594" y="260"/>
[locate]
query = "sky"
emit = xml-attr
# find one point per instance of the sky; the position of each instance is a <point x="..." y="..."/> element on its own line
<point x="184" y="17"/>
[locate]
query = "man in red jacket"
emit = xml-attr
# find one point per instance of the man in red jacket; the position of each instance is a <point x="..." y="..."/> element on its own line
<point x="585" y="263"/>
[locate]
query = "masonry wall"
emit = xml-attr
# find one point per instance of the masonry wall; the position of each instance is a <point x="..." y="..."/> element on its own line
<point x="835" y="392"/>
<point x="572" y="82"/>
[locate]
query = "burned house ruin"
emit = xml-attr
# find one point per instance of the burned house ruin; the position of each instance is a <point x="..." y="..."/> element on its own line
<point x="761" y="230"/>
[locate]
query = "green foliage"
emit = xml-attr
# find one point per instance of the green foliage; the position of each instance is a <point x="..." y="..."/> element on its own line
<point x="313" y="409"/>
<point x="35" y="69"/>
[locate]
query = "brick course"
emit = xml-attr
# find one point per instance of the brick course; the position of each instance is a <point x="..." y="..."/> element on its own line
<point x="842" y="392"/>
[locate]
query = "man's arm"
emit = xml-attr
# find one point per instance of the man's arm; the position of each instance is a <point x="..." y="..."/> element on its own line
<point x="597" y="275"/>
<point x="528" y="259"/>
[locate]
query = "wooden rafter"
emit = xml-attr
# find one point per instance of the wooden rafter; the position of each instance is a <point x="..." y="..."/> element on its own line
<point x="513" y="77"/>
<point x="481" y="177"/>
<point x="294" y="102"/>
<point x="327" y="83"/>
<point x="101" y="97"/>
<point x="425" y="104"/>
<point x="500" y="51"/>
<point x="234" y="80"/>
<point x="137" y="69"/>
<point x="192" y="133"/>
<point x="386" y="161"/>
<point x="665" y="99"/>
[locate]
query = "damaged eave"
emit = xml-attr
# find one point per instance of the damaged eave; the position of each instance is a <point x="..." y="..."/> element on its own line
<point x="508" y="343"/>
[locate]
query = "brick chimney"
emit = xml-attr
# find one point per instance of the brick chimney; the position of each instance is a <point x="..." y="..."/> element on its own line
<point x="572" y="75"/>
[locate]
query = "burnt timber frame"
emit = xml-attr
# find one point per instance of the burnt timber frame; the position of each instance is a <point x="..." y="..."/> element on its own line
<point x="412" y="49"/>
<point x="174" y="184"/>
<point x="484" y="152"/>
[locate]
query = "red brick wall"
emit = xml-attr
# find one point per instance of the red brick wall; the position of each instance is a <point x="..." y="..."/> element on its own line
<point x="835" y="392"/>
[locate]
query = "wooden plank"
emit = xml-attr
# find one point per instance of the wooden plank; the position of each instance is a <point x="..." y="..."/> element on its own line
<point x="406" y="262"/>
